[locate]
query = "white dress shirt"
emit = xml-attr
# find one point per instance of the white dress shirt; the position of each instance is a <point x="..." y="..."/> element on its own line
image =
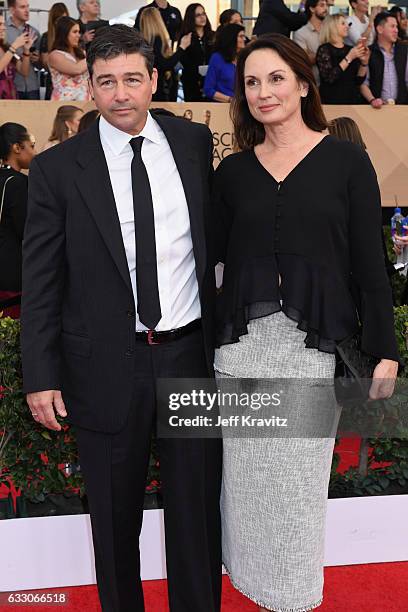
<point x="357" y="29"/>
<point x="176" y="272"/>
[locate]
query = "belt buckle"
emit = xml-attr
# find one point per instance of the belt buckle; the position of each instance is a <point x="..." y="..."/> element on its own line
<point x="150" y="337"/>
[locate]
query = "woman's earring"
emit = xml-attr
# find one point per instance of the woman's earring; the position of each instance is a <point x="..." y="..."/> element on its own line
<point x="69" y="132"/>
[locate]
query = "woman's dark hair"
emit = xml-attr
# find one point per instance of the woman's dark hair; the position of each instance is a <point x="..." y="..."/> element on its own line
<point x="62" y="29"/>
<point x="59" y="130"/>
<point x="57" y="11"/>
<point x="11" y="134"/>
<point x="226" y="42"/>
<point x="397" y="11"/>
<point x="87" y="120"/>
<point x="345" y="128"/>
<point x="250" y="132"/>
<point x="226" y="15"/>
<point x="111" y="41"/>
<point x="188" y="24"/>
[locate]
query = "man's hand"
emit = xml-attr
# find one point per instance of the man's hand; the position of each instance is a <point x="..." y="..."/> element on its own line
<point x="34" y="57"/>
<point x="43" y="405"/>
<point x="88" y="36"/>
<point x="377" y="103"/>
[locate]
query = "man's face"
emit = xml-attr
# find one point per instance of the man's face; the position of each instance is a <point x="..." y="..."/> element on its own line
<point x="122" y="90"/>
<point x="21" y="10"/>
<point x="388" y="31"/>
<point x="320" y="10"/>
<point x="91" y="8"/>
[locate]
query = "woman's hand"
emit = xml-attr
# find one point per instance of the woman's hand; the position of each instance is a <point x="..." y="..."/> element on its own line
<point x="399" y="243"/>
<point x="185" y="41"/>
<point x="382" y="386"/>
<point x="356" y="52"/>
<point x="365" y="58"/>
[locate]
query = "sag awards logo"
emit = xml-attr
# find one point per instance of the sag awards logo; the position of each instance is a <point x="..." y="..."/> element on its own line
<point x="223" y="141"/>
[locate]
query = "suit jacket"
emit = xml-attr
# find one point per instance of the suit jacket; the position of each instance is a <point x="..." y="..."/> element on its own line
<point x="275" y="18"/>
<point x="78" y="310"/>
<point x="376" y="68"/>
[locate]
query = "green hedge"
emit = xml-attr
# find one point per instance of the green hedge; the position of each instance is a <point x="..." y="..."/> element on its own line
<point x="33" y="458"/>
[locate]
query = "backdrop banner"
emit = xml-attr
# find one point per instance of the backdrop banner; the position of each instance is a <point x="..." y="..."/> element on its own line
<point x="384" y="133"/>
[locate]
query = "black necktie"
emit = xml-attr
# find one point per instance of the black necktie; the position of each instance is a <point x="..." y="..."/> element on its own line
<point x="148" y="301"/>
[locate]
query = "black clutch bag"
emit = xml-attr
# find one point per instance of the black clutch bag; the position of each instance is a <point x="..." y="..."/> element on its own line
<point x="354" y="370"/>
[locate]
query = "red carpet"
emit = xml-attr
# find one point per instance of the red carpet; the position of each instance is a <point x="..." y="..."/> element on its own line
<point x="381" y="587"/>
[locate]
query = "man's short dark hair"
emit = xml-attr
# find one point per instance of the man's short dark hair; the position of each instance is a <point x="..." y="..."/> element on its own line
<point x="11" y="3"/>
<point x="381" y="18"/>
<point x="308" y="5"/>
<point x="111" y="41"/>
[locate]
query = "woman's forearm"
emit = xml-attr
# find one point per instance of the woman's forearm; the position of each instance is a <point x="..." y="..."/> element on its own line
<point x="220" y="97"/>
<point x="5" y="59"/>
<point x="23" y="66"/>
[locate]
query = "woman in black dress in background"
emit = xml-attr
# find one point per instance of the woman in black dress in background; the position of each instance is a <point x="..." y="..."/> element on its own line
<point x="198" y="53"/>
<point x="17" y="149"/>
<point x="299" y="217"/>
<point x="342" y="68"/>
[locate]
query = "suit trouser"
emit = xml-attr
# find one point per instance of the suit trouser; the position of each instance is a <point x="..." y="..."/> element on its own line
<point x="114" y="467"/>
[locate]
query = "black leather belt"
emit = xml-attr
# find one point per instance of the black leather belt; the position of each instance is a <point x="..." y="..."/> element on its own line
<point x="152" y="336"/>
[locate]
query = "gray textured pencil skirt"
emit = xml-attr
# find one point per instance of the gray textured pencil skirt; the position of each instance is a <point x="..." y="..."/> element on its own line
<point x="274" y="491"/>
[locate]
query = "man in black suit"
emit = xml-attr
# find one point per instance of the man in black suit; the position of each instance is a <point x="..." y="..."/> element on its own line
<point x="275" y="18"/>
<point x="118" y="290"/>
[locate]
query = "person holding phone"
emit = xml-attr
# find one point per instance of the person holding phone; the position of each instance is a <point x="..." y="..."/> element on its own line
<point x="28" y="87"/>
<point x="360" y="23"/>
<point x="11" y="62"/>
<point x="342" y="68"/>
<point x="89" y="12"/>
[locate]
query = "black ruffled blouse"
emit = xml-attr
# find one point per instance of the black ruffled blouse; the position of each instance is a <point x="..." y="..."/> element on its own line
<point x="319" y="231"/>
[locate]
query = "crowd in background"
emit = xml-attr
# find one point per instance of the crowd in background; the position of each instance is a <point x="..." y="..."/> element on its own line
<point x="358" y="58"/>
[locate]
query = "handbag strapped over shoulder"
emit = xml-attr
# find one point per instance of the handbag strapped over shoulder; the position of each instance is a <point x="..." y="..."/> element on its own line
<point x="3" y="194"/>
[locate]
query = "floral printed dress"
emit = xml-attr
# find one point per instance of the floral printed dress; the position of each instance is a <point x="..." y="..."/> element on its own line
<point x="68" y="87"/>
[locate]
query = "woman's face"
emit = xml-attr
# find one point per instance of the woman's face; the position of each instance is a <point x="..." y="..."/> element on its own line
<point x="241" y="40"/>
<point x="272" y="90"/>
<point x="73" y="124"/>
<point x="74" y="36"/>
<point x="200" y="17"/>
<point x="27" y="152"/>
<point x="236" y="18"/>
<point x="342" y="27"/>
<point x="2" y="28"/>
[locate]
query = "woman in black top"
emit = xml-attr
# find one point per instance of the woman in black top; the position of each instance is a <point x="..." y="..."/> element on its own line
<point x="17" y="149"/>
<point x="155" y="32"/>
<point x="299" y="223"/>
<point x="342" y="68"/>
<point x="198" y="53"/>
